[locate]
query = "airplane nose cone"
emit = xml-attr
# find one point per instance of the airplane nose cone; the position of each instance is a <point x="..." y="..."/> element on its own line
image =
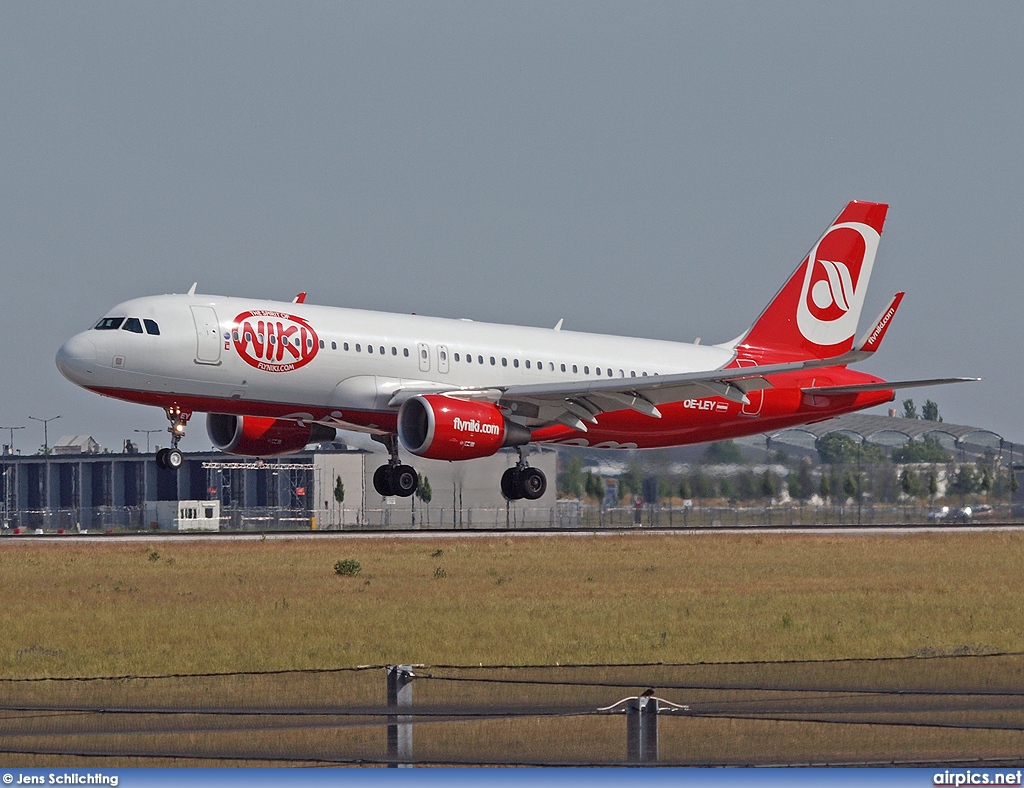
<point x="76" y="359"/>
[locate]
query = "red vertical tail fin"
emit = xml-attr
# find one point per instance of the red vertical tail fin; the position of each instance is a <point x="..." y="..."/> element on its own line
<point x="815" y="313"/>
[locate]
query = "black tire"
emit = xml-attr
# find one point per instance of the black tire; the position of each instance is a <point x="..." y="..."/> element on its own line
<point x="161" y="459"/>
<point x="174" y="459"/>
<point x="511" y="487"/>
<point x="382" y="481"/>
<point x="533" y="483"/>
<point x="404" y="480"/>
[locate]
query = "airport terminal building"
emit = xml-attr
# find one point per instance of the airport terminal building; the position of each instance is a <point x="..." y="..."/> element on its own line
<point x="79" y="486"/>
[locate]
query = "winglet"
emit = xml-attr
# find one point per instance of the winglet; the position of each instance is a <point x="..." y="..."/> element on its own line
<point x="192" y="290"/>
<point x="558" y="325"/>
<point x="300" y="298"/>
<point x="870" y="341"/>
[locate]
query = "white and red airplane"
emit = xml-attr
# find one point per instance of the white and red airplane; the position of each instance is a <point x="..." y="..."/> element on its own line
<point x="274" y="377"/>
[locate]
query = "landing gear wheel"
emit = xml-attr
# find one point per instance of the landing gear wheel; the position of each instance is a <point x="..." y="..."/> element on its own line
<point x="510" y="486"/>
<point x="533" y="483"/>
<point x="382" y="481"/>
<point x="173" y="459"/>
<point x="404" y="480"/>
<point x="161" y="458"/>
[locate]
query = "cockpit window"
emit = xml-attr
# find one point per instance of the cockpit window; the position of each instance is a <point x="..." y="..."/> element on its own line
<point x="152" y="327"/>
<point x="109" y="323"/>
<point x="132" y="324"/>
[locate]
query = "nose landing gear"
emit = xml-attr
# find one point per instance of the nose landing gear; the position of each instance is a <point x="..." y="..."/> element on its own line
<point x="172" y="459"/>
<point x="522" y="481"/>
<point x="394" y="478"/>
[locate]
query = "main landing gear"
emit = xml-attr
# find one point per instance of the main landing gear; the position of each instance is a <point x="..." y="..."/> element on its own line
<point x="172" y="459"/>
<point x="522" y="481"/>
<point x="394" y="478"/>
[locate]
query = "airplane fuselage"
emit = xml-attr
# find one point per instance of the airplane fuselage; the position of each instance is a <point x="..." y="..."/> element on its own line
<point x="307" y="362"/>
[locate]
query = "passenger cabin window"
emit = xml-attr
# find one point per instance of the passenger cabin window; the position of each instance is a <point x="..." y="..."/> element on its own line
<point x="132" y="324"/>
<point x="109" y="323"/>
<point x="154" y="329"/>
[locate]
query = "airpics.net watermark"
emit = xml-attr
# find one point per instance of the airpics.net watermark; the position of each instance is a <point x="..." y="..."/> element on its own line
<point x="62" y="778"/>
<point x="957" y="778"/>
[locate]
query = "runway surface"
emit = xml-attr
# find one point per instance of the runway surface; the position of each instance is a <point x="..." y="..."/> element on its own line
<point x="819" y="530"/>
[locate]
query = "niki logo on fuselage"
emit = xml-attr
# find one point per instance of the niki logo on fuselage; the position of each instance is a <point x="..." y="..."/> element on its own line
<point x="830" y="300"/>
<point x="274" y="341"/>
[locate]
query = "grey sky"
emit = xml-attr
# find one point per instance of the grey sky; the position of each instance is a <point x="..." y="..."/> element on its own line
<point x="636" y="168"/>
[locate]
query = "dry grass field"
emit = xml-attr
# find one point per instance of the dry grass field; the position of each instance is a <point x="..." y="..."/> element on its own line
<point x="163" y="606"/>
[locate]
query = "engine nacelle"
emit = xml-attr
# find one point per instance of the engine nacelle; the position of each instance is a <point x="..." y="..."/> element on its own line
<point x="445" y="428"/>
<point x="260" y="436"/>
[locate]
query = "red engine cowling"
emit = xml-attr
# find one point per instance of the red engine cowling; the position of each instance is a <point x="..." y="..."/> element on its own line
<point x="260" y="436"/>
<point x="445" y="428"/>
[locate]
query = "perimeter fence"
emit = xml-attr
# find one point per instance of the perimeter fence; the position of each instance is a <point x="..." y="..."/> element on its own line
<point x="565" y="515"/>
<point x="950" y="710"/>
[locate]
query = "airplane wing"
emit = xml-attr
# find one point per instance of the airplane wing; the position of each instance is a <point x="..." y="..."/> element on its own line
<point x="573" y="404"/>
<point x="885" y="385"/>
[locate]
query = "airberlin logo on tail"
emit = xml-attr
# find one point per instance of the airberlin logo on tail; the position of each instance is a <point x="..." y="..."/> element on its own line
<point x="274" y="341"/>
<point x="837" y="273"/>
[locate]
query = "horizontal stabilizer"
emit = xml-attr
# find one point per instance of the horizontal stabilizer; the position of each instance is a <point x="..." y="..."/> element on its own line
<point x="885" y="385"/>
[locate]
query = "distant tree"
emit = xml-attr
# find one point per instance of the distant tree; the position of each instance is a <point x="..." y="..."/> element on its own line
<point x="910" y="483"/>
<point x="685" y="489"/>
<point x="594" y="487"/>
<point x="850" y="486"/>
<point x="703" y="486"/>
<point x="722" y="453"/>
<point x="930" y="411"/>
<point x="928" y="449"/>
<point x="339" y="490"/>
<point x="631" y="481"/>
<point x="933" y="485"/>
<point x="838" y="448"/>
<point x="909" y="409"/>
<point x="725" y="489"/>
<point x="800" y="483"/>
<point x="965" y="480"/>
<point x="825" y="488"/>
<point x="570" y="478"/>
<point x="423" y="491"/>
<point x="746" y="486"/>
<point x="985" y="484"/>
<point x="769" y="484"/>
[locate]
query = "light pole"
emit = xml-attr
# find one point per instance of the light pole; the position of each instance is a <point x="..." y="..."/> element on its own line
<point x="148" y="433"/>
<point x="46" y="462"/>
<point x="11" y="429"/>
<point x="46" y="438"/>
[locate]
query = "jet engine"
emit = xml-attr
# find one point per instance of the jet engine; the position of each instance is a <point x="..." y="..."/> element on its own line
<point x="445" y="428"/>
<point x="260" y="436"/>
